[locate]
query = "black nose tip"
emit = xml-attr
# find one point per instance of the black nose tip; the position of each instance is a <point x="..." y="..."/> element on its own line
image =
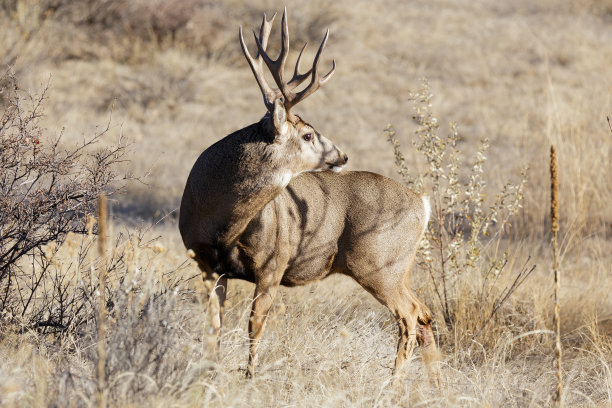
<point x="345" y="158"/>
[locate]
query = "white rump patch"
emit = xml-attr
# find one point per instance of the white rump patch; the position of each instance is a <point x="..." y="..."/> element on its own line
<point x="427" y="208"/>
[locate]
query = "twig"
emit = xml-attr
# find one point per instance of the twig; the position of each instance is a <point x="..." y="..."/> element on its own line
<point x="102" y="230"/>
<point x="518" y="281"/>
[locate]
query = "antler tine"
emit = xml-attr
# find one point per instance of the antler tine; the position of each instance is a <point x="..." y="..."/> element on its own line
<point x="264" y="31"/>
<point x="277" y="66"/>
<point x="269" y="94"/>
<point x="315" y="82"/>
<point x="297" y="77"/>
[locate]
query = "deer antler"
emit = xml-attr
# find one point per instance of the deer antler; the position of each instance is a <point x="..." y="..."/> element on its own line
<point x="277" y="67"/>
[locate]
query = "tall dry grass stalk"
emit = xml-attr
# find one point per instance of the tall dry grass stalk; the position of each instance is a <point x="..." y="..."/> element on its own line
<point x="102" y="231"/>
<point x="554" y="218"/>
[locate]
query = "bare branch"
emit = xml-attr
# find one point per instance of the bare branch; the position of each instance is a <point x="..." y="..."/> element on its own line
<point x="46" y="191"/>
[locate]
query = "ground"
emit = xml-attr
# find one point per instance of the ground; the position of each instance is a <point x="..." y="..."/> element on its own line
<point x="523" y="75"/>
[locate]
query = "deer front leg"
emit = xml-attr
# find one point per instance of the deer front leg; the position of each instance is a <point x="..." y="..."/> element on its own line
<point x="216" y="301"/>
<point x="262" y="301"/>
<point x="216" y="287"/>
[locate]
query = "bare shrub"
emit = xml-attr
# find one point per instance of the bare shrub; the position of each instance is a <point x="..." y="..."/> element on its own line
<point x="149" y="349"/>
<point x="141" y="17"/>
<point x="134" y="31"/>
<point x="457" y="245"/>
<point x="46" y="192"/>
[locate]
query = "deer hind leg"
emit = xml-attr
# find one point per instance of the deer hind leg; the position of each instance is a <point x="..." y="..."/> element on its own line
<point x="427" y="342"/>
<point x="262" y="301"/>
<point x="414" y="322"/>
<point x="416" y="326"/>
<point x="406" y="313"/>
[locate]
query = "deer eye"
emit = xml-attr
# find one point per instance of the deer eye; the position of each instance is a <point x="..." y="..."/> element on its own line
<point x="307" y="137"/>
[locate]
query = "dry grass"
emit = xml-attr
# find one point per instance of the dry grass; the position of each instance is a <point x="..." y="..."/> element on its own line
<point x="523" y="75"/>
<point x="332" y="349"/>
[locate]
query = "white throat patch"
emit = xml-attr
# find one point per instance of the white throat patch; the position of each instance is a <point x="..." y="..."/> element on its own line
<point x="282" y="179"/>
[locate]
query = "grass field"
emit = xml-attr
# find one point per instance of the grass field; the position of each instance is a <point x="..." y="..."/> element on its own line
<point x="521" y="74"/>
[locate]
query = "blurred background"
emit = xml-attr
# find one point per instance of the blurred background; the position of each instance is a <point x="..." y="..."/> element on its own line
<point x="520" y="73"/>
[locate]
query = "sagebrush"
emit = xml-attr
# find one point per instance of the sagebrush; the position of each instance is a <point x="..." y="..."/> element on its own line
<point x="464" y="226"/>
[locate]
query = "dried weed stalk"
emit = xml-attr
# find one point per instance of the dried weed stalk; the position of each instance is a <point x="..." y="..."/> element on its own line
<point x="102" y="233"/>
<point x="554" y="218"/>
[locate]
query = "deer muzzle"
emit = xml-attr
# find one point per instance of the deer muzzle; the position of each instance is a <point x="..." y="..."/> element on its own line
<point x="338" y="164"/>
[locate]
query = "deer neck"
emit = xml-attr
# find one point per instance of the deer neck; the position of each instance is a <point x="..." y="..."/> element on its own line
<point x="248" y="205"/>
<point x="261" y="173"/>
<point x="230" y="184"/>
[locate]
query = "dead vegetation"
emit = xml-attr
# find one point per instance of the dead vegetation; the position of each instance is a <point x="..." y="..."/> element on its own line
<point x="522" y="75"/>
<point x="47" y="192"/>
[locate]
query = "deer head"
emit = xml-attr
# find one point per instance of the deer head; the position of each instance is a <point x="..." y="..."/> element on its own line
<point x="295" y="140"/>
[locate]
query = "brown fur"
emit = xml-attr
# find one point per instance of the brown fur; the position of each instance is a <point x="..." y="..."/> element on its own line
<point x="356" y="223"/>
<point x="249" y="213"/>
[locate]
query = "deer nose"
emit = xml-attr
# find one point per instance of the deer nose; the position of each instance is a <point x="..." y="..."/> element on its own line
<point x="345" y="159"/>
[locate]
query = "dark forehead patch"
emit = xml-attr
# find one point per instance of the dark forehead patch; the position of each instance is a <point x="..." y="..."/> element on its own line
<point x="307" y="124"/>
<point x="295" y="119"/>
<point x="299" y="122"/>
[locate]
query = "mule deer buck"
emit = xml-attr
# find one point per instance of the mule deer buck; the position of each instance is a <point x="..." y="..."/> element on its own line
<point x="260" y="206"/>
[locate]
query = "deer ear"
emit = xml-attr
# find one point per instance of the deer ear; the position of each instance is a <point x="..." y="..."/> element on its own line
<point x="281" y="127"/>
